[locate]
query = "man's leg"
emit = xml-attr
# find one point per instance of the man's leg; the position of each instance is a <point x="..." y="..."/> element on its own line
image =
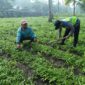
<point x="32" y="40"/>
<point x="76" y="34"/>
<point x="66" y="33"/>
<point x="28" y="38"/>
<point x="21" y="40"/>
<point x="25" y="45"/>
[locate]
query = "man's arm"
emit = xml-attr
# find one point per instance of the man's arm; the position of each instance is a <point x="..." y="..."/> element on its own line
<point x="60" y="31"/>
<point x="18" y="38"/>
<point x="71" y="32"/>
<point x="70" y="26"/>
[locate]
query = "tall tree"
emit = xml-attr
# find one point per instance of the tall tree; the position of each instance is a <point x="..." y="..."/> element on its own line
<point x="50" y="11"/>
<point x="5" y="5"/>
<point x="58" y="6"/>
<point x="74" y="5"/>
<point x="82" y="4"/>
<point x="79" y="2"/>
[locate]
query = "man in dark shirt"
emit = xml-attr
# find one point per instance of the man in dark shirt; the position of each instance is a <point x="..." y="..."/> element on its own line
<point x="72" y="25"/>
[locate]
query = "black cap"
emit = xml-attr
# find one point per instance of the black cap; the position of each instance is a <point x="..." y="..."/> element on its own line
<point x="57" y="24"/>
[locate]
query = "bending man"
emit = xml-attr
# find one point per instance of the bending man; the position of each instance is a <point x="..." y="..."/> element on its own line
<point x="72" y="25"/>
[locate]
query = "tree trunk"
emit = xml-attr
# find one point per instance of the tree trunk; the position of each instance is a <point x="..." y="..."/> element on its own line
<point x="74" y="8"/>
<point x="50" y="11"/>
<point x="58" y="7"/>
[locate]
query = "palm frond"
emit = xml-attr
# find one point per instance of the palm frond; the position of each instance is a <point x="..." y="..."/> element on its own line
<point x="82" y="4"/>
<point x="68" y="1"/>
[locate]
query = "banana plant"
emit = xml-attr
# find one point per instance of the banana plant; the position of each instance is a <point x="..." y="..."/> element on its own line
<point x="76" y="2"/>
<point x="74" y="5"/>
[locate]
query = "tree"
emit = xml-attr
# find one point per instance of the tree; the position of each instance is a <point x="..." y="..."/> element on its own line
<point x="82" y="4"/>
<point x="58" y="6"/>
<point x="5" y="5"/>
<point x="79" y="2"/>
<point x="74" y="5"/>
<point x="37" y="7"/>
<point x="50" y="11"/>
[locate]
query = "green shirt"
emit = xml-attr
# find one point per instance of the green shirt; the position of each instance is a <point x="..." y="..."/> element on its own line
<point x="72" y="20"/>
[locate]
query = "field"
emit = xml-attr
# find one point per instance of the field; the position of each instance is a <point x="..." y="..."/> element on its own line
<point x="46" y="63"/>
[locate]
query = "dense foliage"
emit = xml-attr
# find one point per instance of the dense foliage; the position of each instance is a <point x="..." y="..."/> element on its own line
<point x="50" y="63"/>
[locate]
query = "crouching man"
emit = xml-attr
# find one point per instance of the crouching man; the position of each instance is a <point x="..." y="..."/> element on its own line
<point x="24" y="33"/>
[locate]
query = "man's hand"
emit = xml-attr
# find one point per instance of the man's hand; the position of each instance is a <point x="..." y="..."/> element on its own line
<point x="66" y="37"/>
<point x="18" y="46"/>
<point x="59" y="39"/>
<point x="35" y="40"/>
<point x="62" y="38"/>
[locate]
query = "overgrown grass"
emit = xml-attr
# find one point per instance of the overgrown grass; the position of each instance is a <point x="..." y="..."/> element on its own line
<point x="38" y="58"/>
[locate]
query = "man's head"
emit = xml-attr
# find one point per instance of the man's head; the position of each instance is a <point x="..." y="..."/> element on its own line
<point x="24" y="24"/>
<point x="57" y="24"/>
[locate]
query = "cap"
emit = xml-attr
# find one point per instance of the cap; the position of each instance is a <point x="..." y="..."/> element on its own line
<point x="23" y="22"/>
<point x="57" y="24"/>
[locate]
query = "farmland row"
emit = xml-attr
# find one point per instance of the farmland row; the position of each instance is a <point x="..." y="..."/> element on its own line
<point x="41" y="67"/>
<point x="11" y="74"/>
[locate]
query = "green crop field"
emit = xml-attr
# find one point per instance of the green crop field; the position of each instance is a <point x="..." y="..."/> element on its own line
<point x="46" y="63"/>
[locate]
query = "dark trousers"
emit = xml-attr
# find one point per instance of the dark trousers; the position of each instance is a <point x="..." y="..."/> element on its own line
<point x="28" y="38"/>
<point x="76" y="33"/>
